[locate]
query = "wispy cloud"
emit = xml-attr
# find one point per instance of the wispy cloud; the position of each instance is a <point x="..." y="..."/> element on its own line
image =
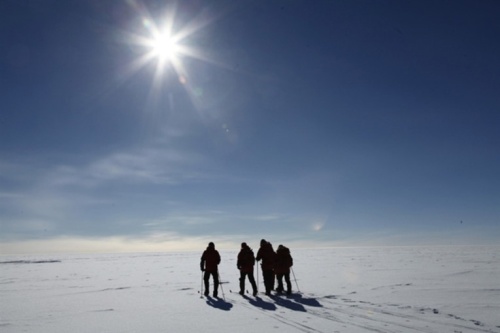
<point x="65" y="193"/>
<point x="149" y="165"/>
<point x="140" y="166"/>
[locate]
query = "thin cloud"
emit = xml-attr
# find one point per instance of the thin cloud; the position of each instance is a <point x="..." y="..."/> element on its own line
<point x="140" y="166"/>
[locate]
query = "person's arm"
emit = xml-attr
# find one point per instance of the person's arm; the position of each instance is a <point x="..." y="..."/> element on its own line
<point x="259" y="255"/>
<point x="202" y="262"/>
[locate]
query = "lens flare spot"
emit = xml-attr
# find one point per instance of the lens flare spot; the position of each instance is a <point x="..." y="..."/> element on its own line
<point x="318" y="226"/>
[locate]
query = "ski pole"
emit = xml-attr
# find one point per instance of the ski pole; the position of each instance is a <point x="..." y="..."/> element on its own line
<point x="201" y="285"/>
<point x="220" y="282"/>
<point x="257" y="277"/>
<point x="295" y="280"/>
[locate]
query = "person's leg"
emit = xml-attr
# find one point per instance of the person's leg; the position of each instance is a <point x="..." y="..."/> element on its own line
<point x="268" y="275"/>
<point x="206" y="277"/>
<point x="216" y="282"/>
<point x="252" y="282"/>
<point x="288" y="283"/>
<point x="280" y="282"/>
<point x="242" y="283"/>
<point x="264" y="278"/>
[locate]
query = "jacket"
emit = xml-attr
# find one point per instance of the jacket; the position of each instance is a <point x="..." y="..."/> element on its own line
<point x="267" y="254"/>
<point x="246" y="260"/>
<point x="210" y="259"/>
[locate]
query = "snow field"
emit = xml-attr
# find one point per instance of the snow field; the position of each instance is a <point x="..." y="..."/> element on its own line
<point x="385" y="289"/>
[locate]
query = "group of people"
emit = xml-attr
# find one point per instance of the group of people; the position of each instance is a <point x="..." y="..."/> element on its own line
<point x="275" y="266"/>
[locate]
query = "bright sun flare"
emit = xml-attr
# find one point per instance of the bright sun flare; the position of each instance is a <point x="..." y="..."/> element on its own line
<point x="164" y="47"/>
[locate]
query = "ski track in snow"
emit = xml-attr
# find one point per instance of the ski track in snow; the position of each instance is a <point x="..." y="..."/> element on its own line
<point x="367" y="316"/>
<point x="381" y="313"/>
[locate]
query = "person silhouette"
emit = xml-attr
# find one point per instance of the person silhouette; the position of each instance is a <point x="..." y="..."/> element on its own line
<point x="267" y="255"/>
<point x="282" y="266"/>
<point x="245" y="264"/>
<point x="210" y="260"/>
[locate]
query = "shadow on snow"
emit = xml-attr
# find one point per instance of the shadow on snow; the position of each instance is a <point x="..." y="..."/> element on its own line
<point x="286" y="303"/>
<point x="259" y="302"/>
<point x="305" y="300"/>
<point x="293" y="302"/>
<point x="219" y="303"/>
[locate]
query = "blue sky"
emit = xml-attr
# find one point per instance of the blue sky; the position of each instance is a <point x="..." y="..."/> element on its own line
<point x="321" y="123"/>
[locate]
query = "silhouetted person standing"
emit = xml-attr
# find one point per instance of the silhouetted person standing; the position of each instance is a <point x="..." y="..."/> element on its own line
<point x="210" y="260"/>
<point x="245" y="264"/>
<point x="266" y="254"/>
<point x="282" y="266"/>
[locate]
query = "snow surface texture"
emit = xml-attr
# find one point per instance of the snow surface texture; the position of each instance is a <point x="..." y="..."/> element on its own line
<point x="393" y="289"/>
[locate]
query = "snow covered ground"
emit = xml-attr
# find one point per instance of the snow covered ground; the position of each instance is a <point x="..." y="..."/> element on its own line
<point x="384" y="289"/>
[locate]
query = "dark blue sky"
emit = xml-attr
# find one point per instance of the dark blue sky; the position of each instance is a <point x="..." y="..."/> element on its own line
<point x="308" y="123"/>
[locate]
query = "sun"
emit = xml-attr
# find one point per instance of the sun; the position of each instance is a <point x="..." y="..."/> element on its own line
<point x="164" y="47"/>
<point x="165" y="41"/>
